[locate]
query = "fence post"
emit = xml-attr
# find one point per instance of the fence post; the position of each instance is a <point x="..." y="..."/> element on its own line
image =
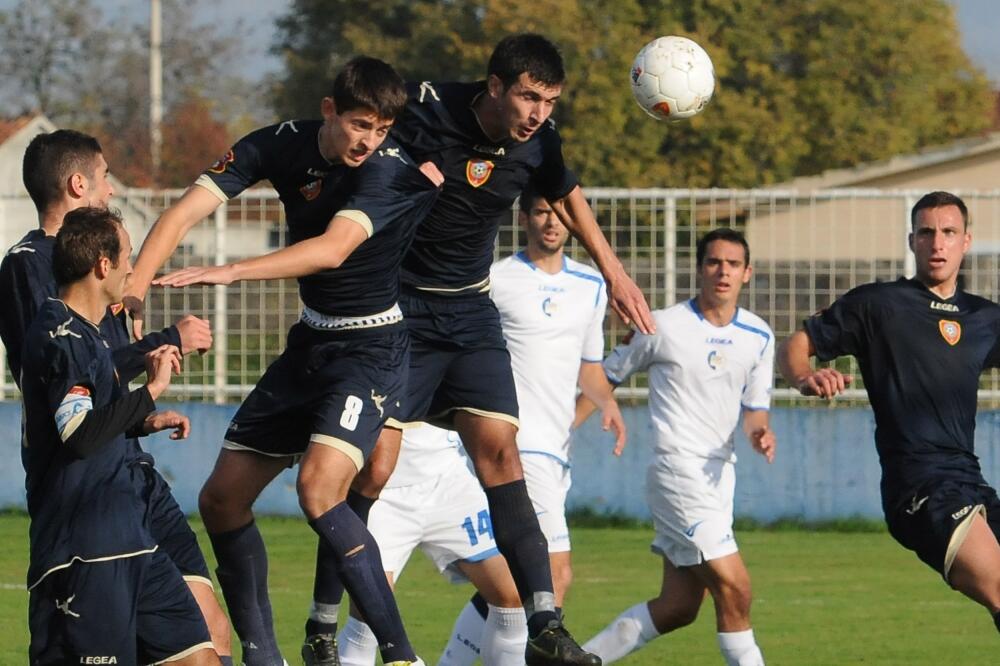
<point x="669" y="251"/>
<point x="219" y="322"/>
<point x="909" y="261"/>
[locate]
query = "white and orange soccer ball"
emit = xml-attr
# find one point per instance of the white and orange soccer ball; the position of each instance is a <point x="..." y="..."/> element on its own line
<point x="672" y="78"/>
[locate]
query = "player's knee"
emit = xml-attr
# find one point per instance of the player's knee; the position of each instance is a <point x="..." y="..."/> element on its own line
<point x="373" y="477"/>
<point x="673" y="613"/>
<point x="215" y="504"/>
<point x="734" y="598"/>
<point x="497" y="462"/>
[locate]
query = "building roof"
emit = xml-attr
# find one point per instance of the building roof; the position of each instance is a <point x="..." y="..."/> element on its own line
<point x="10" y="126"/>
<point x="863" y="174"/>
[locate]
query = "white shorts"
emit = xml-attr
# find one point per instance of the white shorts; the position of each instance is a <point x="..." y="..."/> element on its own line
<point x="548" y="482"/>
<point x="447" y="517"/>
<point x="692" y="505"/>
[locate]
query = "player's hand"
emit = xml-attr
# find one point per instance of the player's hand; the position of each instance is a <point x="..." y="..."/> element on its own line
<point x="158" y="421"/>
<point x="197" y="275"/>
<point x="134" y="306"/>
<point x="611" y="419"/>
<point x="196" y="334"/>
<point x="628" y="302"/>
<point x="430" y="170"/>
<point x="764" y="442"/>
<point x="824" y="383"/>
<point x="160" y="364"/>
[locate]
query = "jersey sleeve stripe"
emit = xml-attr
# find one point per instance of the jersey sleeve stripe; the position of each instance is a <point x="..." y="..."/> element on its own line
<point x="359" y="217"/>
<point x="209" y="184"/>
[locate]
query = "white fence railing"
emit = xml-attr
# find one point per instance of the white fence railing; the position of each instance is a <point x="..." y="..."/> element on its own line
<point x="807" y="249"/>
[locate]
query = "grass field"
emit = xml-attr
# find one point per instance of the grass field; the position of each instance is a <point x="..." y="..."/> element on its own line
<point x="819" y="598"/>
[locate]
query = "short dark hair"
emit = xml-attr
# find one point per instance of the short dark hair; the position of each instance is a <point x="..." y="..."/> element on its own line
<point x="530" y="54"/>
<point x="370" y="83"/>
<point x="939" y="199"/>
<point x="51" y="159"/>
<point x="86" y="235"/>
<point x="527" y="199"/>
<point x="723" y="234"/>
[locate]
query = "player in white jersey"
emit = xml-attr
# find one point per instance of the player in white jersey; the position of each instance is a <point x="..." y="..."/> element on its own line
<point x="707" y="359"/>
<point x="434" y="502"/>
<point x="552" y="314"/>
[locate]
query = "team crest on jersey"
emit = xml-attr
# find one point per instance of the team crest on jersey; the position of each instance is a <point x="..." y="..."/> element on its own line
<point x="478" y="172"/>
<point x="549" y="307"/>
<point x="224" y="161"/>
<point x="716" y="360"/>
<point x="311" y="190"/>
<point x="951" y="331"/>
<point x="117" y="308"/>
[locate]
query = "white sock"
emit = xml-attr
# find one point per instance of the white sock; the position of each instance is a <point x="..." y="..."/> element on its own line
<point x="504" y="636"/>
<point x="740" y="649"/>
<point x="626" y="634"/>
<point x="357" y="644"/>
<point x="463" y="645"/>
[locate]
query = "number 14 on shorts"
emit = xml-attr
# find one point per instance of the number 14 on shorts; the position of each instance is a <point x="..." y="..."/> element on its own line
<point x="483" y="526"/>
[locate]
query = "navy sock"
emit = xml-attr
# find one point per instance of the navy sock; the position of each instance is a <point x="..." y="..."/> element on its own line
<point x="521" y="542"/>
<point x="479" y="603"/>
<point x="996" y="620"/>
<point x="242" y="574"/>
<point x="226" y="660"/>
<point x="327" y="588"/>
<point x="360" y="567"/>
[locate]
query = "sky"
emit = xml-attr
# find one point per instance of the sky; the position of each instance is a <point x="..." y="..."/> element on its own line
<point x="979" y="23"/>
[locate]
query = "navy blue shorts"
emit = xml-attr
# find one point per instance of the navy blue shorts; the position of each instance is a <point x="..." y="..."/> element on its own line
<point x="934" y="521"/>
<point x="332" y="388"/>
<point x="168" y="525"/>
<point x="132" y="610"/>
<point x="458" y="360"/>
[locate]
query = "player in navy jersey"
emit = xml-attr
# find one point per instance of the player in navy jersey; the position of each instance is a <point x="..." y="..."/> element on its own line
<point x="921" y="344"/>
<point x="491" y="140"/>
<point x="102" y="591"/>
<point x="65" y="170"/>
<point x="352" y="199"/>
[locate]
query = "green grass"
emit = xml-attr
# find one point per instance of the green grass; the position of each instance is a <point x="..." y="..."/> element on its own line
<point x="820" y="597"/>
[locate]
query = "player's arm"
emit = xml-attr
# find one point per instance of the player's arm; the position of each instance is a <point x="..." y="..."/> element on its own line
<point x="756" y="428"/>
<point x="624" y="295"/>
<point x="329" y="250"/>
<point x="598" y="391"/>
<point x="796" y="367"/>
<point x="87" y="430"/>
<point x="196" y="204"/>
<point x="189" y="334"/>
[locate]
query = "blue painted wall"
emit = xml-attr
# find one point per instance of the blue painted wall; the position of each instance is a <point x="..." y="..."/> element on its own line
<point x="826" y="466"/>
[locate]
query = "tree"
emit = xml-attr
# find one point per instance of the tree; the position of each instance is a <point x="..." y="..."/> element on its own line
<point x="802" y="86"/>
<point x="91" y="73"/>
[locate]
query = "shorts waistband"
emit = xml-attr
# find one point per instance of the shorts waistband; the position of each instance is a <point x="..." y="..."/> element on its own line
<point x="325" y="322"/>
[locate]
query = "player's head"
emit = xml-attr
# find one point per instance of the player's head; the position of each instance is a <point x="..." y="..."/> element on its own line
<point x="525" y="77"/>
<point x="368" y="96"/>
<point x="939" y="238"/>
<point x="723" y="260"/>
<point x="66" y="168"/>
<point x="545" y="233"/>
<point x="93" y="244"/>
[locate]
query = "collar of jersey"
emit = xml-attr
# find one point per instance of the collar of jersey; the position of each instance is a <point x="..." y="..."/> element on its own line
<point x="522" y="255"/>
<point x="694" y="308"/>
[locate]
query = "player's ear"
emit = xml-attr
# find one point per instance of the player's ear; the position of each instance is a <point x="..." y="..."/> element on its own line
<point x="102" y="268"/>
<point x="747" y="274"/>
<point x="77" y="184"/>
<point x="328" y="108"/>
<point x="494" y="86"/>
<point x="909" y="241"/>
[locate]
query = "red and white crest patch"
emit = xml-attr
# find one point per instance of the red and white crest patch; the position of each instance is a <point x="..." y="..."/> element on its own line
<point x="951" y="331"/>
<point x="221" y="163"/>
<point x="311" y="190"/>
<point x="478" y="172"/>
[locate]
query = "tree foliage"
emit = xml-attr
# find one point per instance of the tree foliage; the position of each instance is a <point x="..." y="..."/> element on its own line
<point x="90" y="72"/>
<point x="802" y="86"/>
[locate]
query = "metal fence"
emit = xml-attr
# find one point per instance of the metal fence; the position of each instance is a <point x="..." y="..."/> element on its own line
<point x="807" y="250"/>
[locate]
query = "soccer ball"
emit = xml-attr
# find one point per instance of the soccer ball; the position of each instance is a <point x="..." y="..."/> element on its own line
<point x="672" y="78"/>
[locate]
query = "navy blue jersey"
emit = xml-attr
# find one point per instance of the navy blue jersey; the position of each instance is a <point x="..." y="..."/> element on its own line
<point x="80" y="508"/>
<point x="387" y="195"/>
<point x="453" y="248"/>
<point x="921" y="357"/>
<point x="26" y="282"/>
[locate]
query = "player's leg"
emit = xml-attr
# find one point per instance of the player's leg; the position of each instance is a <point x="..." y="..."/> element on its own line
<point x="680" y="598"/>
<point x="728" y="581"/>
<point x="225" y="503"/>
<point x="215" y="619"/>
<point x="548" y="482"/>
<point x="495" y="629"/>
<point x="975" y="569"/>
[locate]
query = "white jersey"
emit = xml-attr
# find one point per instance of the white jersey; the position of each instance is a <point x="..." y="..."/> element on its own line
<point x="426" y="451"/>
<point x="551" y="323"/>
<point x="699" y="377"/>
